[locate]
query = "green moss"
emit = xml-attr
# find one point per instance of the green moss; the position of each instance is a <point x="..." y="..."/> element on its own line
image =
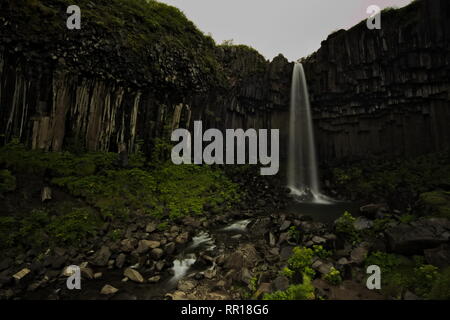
<point x="7" y="181"/>
<point x="400" y="274"/>
<point x="436" y="203"/>
<point x="441" y="286"/>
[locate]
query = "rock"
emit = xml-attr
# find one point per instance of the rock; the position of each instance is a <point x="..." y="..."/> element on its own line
<point x="156" y="253"/>
<point x="169" y="248"/>
<point x="362" y="223"/>
<point x="285" y="253"/>
<point x="145" y="245"/>
<point x="46" y="194"/>
<point x="150" y="227"/>
<point x="177" y="295"/>
<point x="245" y="256"/>
<point x="285" y="225"/>
<point x="439" y="257"/>
<point x="87" y="272"/>
<point x="325" y="268"/>
<point x="107" y="290"/>
<point x="343" y="261"/>
<point x="57" y="262"/>
<point x="272" y="240"/>
<point x="413" y="238"/>
<point x="281" y="283"/>
<point x="371" y="211"/>
<point x="183" y="238"/>
<point x="133" y="275"/>
<point x="154" y="279"/>
<point x="68" y="271"/>
<point x="318" y="240"/>
<point x="359" y="254"/>
<point x="160" y="265"/>
<point x="127" y="245"/>
<point x="210" y="273"/>
<point x="98" y="275"/>
<point x="410" y="296"/>
<point x="262" y="289"/>
<point x="21" y="274"/>
<point x="102" y="256"/>
<point x="186" y="285"/>
<point x="120" y="260"/>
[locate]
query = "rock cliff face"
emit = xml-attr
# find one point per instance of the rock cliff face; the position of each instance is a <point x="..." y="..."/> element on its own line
<point x="374" y="93"/>
<point x="384" y="93"/>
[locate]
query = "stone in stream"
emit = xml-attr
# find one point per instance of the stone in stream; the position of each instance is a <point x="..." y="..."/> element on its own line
<point x="183" y="238"/>
<point x="133" y="275"/>
<point x="21" y="274"/>
<point x="154" y="279"/>
<point x="186" y="285"/>
<point x="127" y="245"/>
<point x="156" y="253"/>
<point x="145" y="245"/>
<point x="108" y="289"/>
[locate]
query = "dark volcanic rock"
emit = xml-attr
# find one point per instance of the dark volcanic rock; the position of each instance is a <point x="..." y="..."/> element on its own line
<point x="416" y="236"/>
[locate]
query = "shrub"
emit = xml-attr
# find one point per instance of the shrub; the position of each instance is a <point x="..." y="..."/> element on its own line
<point x="441" y="286"/>
<point x="345" y="226"/>
<point x="304" y="291"/>
<point x="333" y="277"/>
<point x="7" y="181"/>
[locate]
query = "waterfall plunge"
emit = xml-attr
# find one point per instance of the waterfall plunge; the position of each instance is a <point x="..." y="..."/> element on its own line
<point x="302" y="164"/>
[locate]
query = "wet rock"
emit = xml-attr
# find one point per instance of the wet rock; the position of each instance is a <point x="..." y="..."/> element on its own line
<point x="150" y="227"/>
<point x="285" y="225"/>
<point x="128" y="245"/>
<point x="186" y="285"/>
<point x="108" y="289"/>
<point x="22" y="274"/>
<point x="177" y="295"/>
<point x="120" y="260"/>
<point x="133" y="275"/>
<point x="87" y="272"/>
<point x="272" y="240"/>
<point x="46" y="194"/>
<point x="359" y="254"/>
<point x="183" y="238"/>
<point x="280" y="283"/>
<point x="414" y="237"/>
<point x="244" y="256"/>
<point x="154" y="279"/>
<point x="169" y="248"/>
<point x="145" y="245"/>
<point x="98" y="275"/>
<point x="102" y="256"/>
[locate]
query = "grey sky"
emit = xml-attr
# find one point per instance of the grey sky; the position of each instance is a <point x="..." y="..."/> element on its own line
<point x="294" y="28"/>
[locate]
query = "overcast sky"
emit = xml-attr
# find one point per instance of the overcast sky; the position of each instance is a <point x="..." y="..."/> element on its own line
<point x="294" y="28"/>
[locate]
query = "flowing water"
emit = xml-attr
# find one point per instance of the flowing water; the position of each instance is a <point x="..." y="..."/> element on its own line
<point x="302" y="163"/>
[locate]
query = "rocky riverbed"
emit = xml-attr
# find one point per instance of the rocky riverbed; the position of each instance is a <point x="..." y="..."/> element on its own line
<point x="235" y="256"/>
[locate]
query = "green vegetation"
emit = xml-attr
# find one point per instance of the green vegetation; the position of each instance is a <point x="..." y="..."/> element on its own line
<point x="140" y="41"/>
<point x="345" y="226"/>
<point x="436" y="203"/>
<point x="164" y="191"/>
<point x="401" y="274"/>
<point x="42" y="227"/>
<point x="7" y="181"/>
<point x="333" y="277"/>
<point x="398" y="182"/>
<point x="303" y="291"/>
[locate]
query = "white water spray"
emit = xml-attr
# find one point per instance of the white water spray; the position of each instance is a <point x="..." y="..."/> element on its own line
<point x="302" y="163"/>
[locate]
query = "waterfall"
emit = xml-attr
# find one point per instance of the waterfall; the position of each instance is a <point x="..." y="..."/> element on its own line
<point x="302" y="164"/>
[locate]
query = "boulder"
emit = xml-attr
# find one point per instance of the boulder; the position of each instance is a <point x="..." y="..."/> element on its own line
<point x="120" y="260"/>
<point x="101" y="257"/>
<point x="245" y="256"/>
<point x="413" y="238"/>
<point x="133" y="275"/>
<point x="107" y="290"/>
<point x="439" y="257"/>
